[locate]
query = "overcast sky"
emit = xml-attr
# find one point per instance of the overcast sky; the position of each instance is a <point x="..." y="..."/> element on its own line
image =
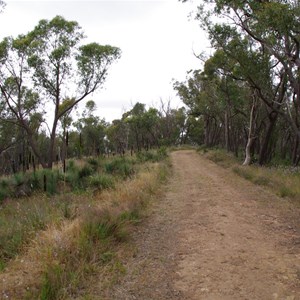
<point x="157" y="40"/>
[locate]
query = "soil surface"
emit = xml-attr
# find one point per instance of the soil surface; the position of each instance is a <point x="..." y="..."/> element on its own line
<point x="213" y="236"/>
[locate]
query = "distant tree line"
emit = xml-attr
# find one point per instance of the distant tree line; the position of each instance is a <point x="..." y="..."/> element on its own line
<point x="44" y="74"/>
<point x="139" y="129"/>
<point x="247" y="96"/>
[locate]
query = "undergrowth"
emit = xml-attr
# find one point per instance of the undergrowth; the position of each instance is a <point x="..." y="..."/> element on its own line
<point x="98" y="234"/>
<point x="89" y="244"/>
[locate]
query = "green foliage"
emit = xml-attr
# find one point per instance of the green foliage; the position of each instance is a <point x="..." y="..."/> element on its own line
<point x="102" y="182"/>
<point x="52" y="177"/>
<point x="132" y="216"/>
<point x="262" y="180"/>
<point x="88" y="245"/>
<point x="52" y="282"/>
<point x="45" y="59"/>
<point x="285" y="191"/>
<point x="94" y="162"/>
<point x="221" y="157"/>
<point x="85" y="171"/>
<point x="4" y="189"/>
<point x="18" y="179"/>
<point x="244" y="172"/>
<point x="152" y="156"/>
<point x="162" y="152"/>
<point x="122" y="167"/>
<point x="17" y="226"/>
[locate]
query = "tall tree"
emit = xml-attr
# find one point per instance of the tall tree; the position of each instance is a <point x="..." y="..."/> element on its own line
<point x="56" y="66"/>
<point x="273" y="27"/>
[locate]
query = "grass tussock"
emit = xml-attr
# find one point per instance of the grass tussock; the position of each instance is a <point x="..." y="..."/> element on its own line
<point x="85" y="237"/>
<point x="123" y="167"/>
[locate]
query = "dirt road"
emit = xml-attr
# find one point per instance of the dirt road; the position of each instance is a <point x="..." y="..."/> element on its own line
<point x="214" y="236"/>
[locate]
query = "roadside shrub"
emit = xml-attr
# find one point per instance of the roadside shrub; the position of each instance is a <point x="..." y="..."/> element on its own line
<point x="85" y="171"/>
<point x="102" y="182"/>
<point x="285" y="191"/>
<point x="52" y="282"/>
<point x="162" y="152"/>
<point x="120" y="166"/>
<point x="243" y="172"/>
<point x="35" y="181"/>
<point x="152" y="156"/>
<point x="72" y="176"/>
<point x="4" y="189"/>
<point x="52" y="177"/>
<point x="144" y="156"/>
<point x="221" y="157"/>
<point x="18" y="226"/>
<point x="71" y="166"/>
<point x="19" y="179"/>
<point x="93" y="162"/>
<point x="261" y="180"/>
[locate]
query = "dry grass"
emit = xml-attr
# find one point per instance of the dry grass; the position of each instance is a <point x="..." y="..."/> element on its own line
<point x="284" y="181"/>
<point x="60" y="259"/>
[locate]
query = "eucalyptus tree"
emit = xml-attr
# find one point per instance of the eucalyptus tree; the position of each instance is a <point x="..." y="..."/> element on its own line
<point x="46" y="66"/>
<point x="117" y="134"/>
<point x="267" y="79"/>
<point x="201" y="95"/>
<point x="91" y="130"/>
<point x="134" y="118"/>
<point x="272" y="31"/>
<point x="19" y="105"/>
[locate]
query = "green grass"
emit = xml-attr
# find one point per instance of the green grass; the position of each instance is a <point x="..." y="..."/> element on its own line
<point x="123" y="167"/>
<point x="152" y="155"/>
<point x="101" y="232"/>
<point x="22" y="219"/>
<point x="19" y="221"/>
<point x="102" y="181"/>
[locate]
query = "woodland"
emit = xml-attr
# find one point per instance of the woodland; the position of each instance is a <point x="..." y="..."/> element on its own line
<point x="87" y="204"/>
<point x="247" y="94"/>
<point x="245" y="99"/>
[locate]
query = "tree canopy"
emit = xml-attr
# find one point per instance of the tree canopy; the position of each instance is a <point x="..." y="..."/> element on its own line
<point x="49" y="70"/>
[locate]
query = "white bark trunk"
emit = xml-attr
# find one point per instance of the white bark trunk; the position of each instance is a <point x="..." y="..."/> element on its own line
<point x="251" y="139"/>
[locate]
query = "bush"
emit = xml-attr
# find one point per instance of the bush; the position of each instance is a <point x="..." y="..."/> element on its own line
<point x="52" y="177"/>
<point x="120" y="166"/>
<point x="94" y="163"/>
<point x="145" y="156"/>
<point x="19" y="179"/>
<point x="35" y="181"/>
<point x="85" y="171"/>
<point x="102" y="182"/>
<point x="243" y="172"/>
<point x="162" y="152"/>
<point x="285" y="191"/>
<point x="152" y="156"/>
<point x="4" y="189"/>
